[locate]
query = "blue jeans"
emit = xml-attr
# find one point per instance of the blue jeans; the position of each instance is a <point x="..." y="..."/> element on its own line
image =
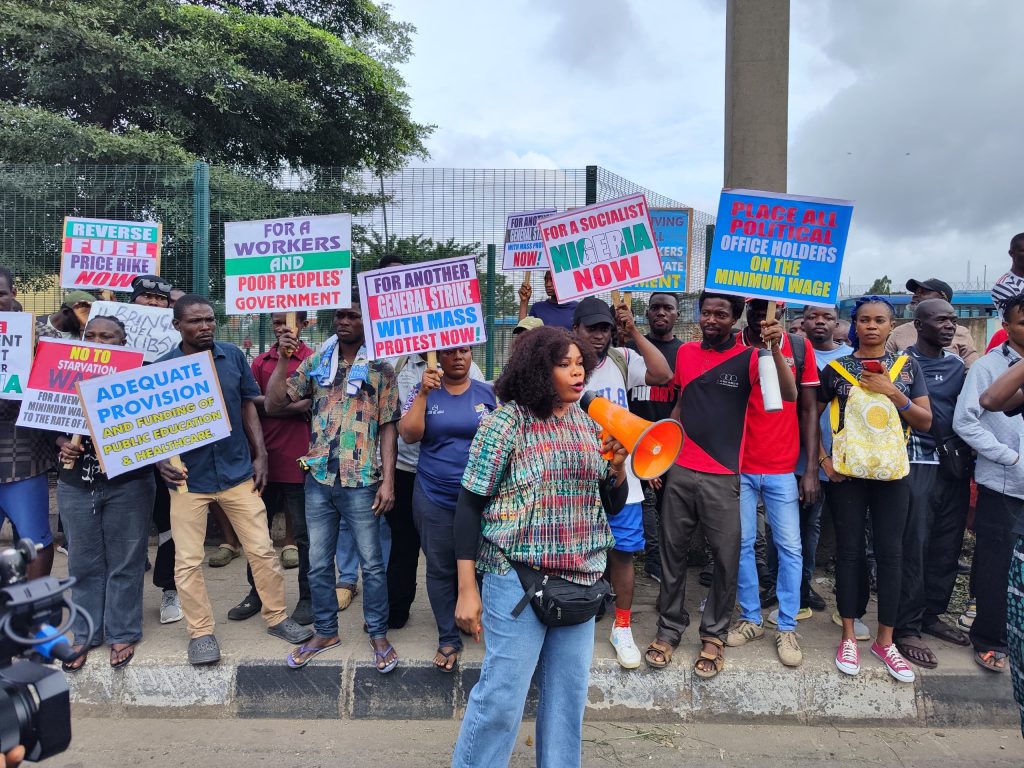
<point x="346" y="557"/>
<point x="782" y="507"/>
<point x="436" y="527"/>
<point x="107" y="528"/>
<point x="326" y="507"/>
<point x="516" y="648"/>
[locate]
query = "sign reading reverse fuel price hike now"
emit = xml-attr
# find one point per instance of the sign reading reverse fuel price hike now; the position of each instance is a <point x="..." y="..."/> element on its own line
<point x="288" y="265"/>
<point x="107" y="254"/>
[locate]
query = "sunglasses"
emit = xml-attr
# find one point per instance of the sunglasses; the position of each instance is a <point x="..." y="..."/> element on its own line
<point x="149" y="285"/>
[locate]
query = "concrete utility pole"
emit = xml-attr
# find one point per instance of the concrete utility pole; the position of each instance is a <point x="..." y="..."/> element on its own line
<point x="756" y="94"/>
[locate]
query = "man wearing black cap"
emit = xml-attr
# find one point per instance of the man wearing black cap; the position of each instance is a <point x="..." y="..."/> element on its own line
<point x="151" y="291"/>
<point x="906" y="335"/>
<point x="69" y="320"/>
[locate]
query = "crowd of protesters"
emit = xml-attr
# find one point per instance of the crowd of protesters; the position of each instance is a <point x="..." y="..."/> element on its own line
<point x="883" y="432"/>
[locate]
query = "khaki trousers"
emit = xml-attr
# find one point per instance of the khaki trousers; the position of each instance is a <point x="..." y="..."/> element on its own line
<point x="248" y="516"/>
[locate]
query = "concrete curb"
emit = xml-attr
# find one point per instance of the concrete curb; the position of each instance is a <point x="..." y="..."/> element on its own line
<point x="814" y="694"/>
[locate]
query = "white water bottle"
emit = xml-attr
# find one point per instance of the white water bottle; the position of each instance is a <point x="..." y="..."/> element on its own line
<point x="770" y="392"/>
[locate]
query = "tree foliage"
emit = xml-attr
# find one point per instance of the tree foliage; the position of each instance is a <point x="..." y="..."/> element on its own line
<point x="881" y="286"/>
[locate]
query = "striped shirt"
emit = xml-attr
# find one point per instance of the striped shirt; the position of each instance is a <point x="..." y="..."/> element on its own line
<point x="1006" y="287"/>
<point x="545" y="508"/>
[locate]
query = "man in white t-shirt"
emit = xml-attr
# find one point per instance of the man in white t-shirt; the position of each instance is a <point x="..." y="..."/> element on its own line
<point x="619" y="370"/>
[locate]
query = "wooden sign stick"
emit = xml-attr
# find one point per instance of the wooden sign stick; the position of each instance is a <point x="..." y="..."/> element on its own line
<point x="627" y="299"/>
<point x="176" y="463"/>
<point x="75" y="440"/>
<point x="432" y="360"/>
<point x="290" y="323"/>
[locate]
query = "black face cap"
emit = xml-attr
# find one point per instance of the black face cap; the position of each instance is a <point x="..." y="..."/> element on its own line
<point x="932" y="284"/>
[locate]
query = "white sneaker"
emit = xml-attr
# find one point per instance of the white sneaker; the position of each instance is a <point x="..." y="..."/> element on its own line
<point x="626" y="651"/>
<point x="170" y="607"/>
<point x="860" y="629"/>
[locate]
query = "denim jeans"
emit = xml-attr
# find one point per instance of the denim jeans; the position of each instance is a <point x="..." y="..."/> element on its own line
<point x="782" y="508"/>
<point x="326" y="508"/>
<point x="347" y="558"/>
<point x="107" y="527"/>
<point x="516" y="648"/>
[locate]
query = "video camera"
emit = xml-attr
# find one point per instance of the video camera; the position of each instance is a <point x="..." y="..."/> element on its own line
<point x="35" y="706"/>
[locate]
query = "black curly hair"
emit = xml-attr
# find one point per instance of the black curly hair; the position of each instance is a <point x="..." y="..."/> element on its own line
<point x="527" y="375"/>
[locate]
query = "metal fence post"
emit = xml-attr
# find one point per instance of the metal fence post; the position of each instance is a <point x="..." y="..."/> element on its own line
<point x="591" y="192"/>
<point x="201" y="228"/>
<point x="492" y="290"/>
<point x="709" y="241"/>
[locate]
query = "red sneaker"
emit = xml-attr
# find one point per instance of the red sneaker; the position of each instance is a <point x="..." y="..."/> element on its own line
<point x="848" y="657"/>
<point x="894" y="662"/>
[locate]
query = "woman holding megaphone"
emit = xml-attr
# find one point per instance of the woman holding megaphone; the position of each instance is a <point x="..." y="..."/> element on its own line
<point x="532" y="516"/>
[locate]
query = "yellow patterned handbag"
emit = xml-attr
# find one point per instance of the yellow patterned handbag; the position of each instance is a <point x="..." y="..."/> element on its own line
<point x="873" y="441"/>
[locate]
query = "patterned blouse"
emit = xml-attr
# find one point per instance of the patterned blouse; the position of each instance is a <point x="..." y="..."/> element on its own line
<point x="545" y="509"/>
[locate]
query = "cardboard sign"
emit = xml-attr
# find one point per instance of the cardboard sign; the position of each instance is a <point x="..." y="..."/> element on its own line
<point x="139" y="417"/>
<point x="288" y="265"/>
<point x="51" y="400"/>
<point x="108" y="254"/>
<point x="523" y="246"/>
<point x="16" y="330"/>
<point x="149" y="329"/>
<point x="673" y="234"/>
<point x="779" y="247"/>
<point x="601" y="247"/>
<point x="421" y="307"/>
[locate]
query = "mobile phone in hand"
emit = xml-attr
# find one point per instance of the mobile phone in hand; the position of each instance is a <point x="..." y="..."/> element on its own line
<point x="873" y="366"/>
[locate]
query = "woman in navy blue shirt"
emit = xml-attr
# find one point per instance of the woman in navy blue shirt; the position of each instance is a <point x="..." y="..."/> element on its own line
<point x="442" y="414"/>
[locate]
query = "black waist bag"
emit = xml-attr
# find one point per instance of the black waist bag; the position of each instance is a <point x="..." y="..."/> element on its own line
<point x="956" y="460"/>
<point x="556" y="601"/>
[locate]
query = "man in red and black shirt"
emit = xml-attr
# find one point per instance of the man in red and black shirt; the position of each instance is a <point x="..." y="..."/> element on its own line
<point x="715" y="377"/>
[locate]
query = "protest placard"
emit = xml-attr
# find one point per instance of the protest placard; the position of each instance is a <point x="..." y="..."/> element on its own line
<point x="783" y="247"/>
<point x="139" y="417"/>
<point x="51" y="401"/>
<point x="107" y="254"/>
<point x="288" y="265"/>
<point x="601" y="247"/>
<point x="148" y="329"/>
<point x="673" y="234"/>
<point x="523" y="247"/>
<point x="16" y="329"/>
<point x="421" y="307"/>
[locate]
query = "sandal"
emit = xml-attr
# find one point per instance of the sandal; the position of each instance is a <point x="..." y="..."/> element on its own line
<point x="914" y="650"/>
<point x="717" y="660"/>
<point x="381" y="657"/>
<point x="659" y="648"/>
<point x="312" y="650"/>
<point x="449" y="660"/>
<point x="77" y="663"/>
<point x="115" y="652"/>
<point x="943" y="631"/>
<point x="993" y="661"/>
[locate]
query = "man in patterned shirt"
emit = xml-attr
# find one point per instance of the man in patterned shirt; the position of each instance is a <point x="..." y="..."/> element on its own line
<point x="355" y="412"/>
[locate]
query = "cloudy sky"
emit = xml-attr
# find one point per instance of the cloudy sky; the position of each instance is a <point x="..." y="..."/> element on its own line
<point x="913" y="109"/>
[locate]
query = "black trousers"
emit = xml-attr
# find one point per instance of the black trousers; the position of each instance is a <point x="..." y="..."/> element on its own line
<point x="289" y="498"/>
<point x="887" y="504"/>
<point x="405" y="551"/>
<point x="652" y="505"/>
<point x="931" y="546"/>
<point x="436" y="526"/>
<point x="163" y="568"/>
<point x="994" y="519"/>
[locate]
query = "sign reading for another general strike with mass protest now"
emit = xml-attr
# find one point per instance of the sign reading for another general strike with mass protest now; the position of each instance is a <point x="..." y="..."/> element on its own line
<point x="288" y="265"/>
<point x="779" y="247"/>
<point x="523" y="247"/>
<point x="106" y="254"/>
<point x="16" y="329"/>
<point x="421" y="307"/>
<point x="140" y="417"/>
<point x="601" y="247"/>
<point x="51" y="401"/>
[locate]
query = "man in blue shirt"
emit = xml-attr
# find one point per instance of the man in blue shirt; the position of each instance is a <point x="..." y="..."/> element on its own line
<point x="549" y="311"/>
<point x="231" y="472"/>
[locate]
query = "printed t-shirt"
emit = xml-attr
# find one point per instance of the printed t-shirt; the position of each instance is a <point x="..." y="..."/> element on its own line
<point x="772" y="442"/>
<point x="656" y="402"/>
<point x="714" y="387"/>
<point x="606" y="381"/>
<point x="822" y="359"/>
<point x="558" y="315"/>
<point x="449" y="424"/>
<point x="944" y="376"/>
<point x="1005" y="288"/>
<point x="910" y="380"/>
<point x="286" y="438"/>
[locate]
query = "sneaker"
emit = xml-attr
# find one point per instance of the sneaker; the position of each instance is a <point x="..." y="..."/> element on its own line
<point x="170" y="607"/>
<point x="815" y="601"/>
<point x="848" y="657"/>
<point x="653" y="570"/>
<point x="225" y="554"/>
<point x="626" y="651"/>
<point x="743" y="633"/>
<point x="290" y="557"/>
<point x="789" y="649"/>
<point x="894" y="662"/>
<point x="345" y="595"/>
<point x="860" y="629"/>
<point x="801" y="615"/>
<point x="249" y="607"/>
<point x="966" y="619"/>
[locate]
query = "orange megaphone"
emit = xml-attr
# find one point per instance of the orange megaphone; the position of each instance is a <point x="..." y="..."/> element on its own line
<point x="653" y="445"/>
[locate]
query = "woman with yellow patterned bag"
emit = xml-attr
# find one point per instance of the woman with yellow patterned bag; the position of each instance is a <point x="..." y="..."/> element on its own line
<point x="873" y="396"/>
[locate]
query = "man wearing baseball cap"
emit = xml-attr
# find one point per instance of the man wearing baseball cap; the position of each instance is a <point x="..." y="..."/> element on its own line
<point x="906" y="335"/>
<point x="68" y="321"/>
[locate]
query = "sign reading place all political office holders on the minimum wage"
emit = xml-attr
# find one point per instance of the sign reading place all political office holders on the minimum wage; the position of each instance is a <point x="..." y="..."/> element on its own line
<point x="139" y="417"/>
<point x="16" y="331"/>
<point x="601" y="247"/>
<point x="779" y="247"/>
<point x="673" y="234"/>
<point x="51" y="400"/>
<point x="523" y="246"/>
<point x="104" y="254"/>
<point x="421" y="307"/>
<point x="288" y="265"/>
